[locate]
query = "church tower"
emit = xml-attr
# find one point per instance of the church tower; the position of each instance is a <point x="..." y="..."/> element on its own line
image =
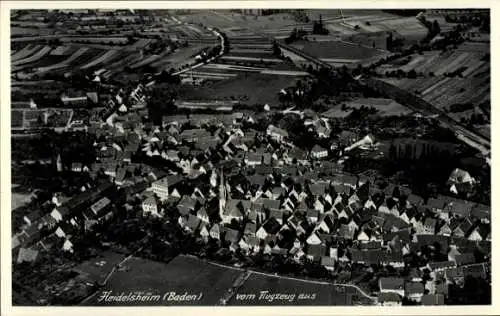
<point x="222" y="194"/>
<point x="59" y="163"/>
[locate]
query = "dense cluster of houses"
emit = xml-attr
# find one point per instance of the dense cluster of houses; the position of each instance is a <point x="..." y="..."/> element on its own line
<point x="58" y="222"/>
<point x="260" y="193"/>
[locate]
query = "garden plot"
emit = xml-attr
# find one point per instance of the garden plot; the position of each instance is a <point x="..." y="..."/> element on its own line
<point x="37" y="56"/>
<point x="119" y="65"/>
<point x="241" y="50"/>
<point x="140" y="43"/>
<point x="96" y="40"/>
<point x="106" y="57"/>
<point x="63" y="64"/>
<point x="231" y="68"/>
<point x="62" y="50"/>
<point x="146" y="61"/>
<point x="455" y="61"/>
<point x="474" y="47"/>
<point x="208" y="75"/>
<point x="250" y="59"/>
<point x="179" y="57"/>
<point x="25" y="52"/>
<point x="477" y="67"/>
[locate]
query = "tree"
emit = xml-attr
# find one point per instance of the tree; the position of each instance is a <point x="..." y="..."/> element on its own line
<point x="161" y="102"/>
<point x="436" y="29"/>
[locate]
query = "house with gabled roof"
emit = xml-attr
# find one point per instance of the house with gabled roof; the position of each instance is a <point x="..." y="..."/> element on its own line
<point x="270" y="204"/>
<point x="231" y="236"/>
<point x="414" y="291"/>
<point x="254" y="243"/>
<point x="32" y="217"/>
<point x="276" y="133"/>
<point x="318" y="152"/>
<point x="204" y="233"/>
<point x="250" y="229"/>
<point x="313" y="239"/>
<point x="277" y="214"/>
<point x="296" y="155"/>
<point x="318" y="188"/>
<point x="480" y="232"/>
<point x="432" y="299"/>
<point x="253" y="159"/>
<point x="312" y="216"/>
<point x="186" y="205"/>
<point x="445" y="230"/>
<point x="346" y="232"/>
<point x="345" y="213"/>
<point x="270" y="228"/>
<point x="392" y="285"/>
<point x="325" y="224"/>
<point x="429" y="226"/>
<point x="27" y="255"/>
<point x="234" y="210"/>
<point x="203" y="215"/>
<point x="215" y="231"/>
<point x="315" y="252"/>
<point x="150" y="207"/>
<point x="435" y="204"/>
<point x="465" y="259"/>
<point x="481" y="212"/>
<point x="193" y="223"/>
<point x="464" y="228"/>
<point x="302" y="228"/>
<point x="435" y="267"/>
<point x="459" y="208"/>
<point x="328" y="263"/>
<point x="389" y="299"/>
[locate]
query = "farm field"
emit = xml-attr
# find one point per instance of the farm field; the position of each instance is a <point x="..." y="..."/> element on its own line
<point x="384" y="107"/>
<point x="182" y="274"/>
<point x="440" y="63"/>
<point x="336" y="50"/>
<point x="220" y="71"/>
<point x="19" y="200"/>
<point x="178" y="58"/>
<point x="96" y="269"/>
<point x="105" y="57"/>
<point x="64" y="63"/>
<point x="252" y="88"/>
<point x="443" y="92"/>
<point x="25" y="52"/>
<point x="31" y="55"/>
<point x="96" y="40"/>
<point x="317" y="293"/>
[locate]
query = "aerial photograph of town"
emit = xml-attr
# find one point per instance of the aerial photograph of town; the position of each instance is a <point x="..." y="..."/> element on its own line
<point x="250" y="157"/>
